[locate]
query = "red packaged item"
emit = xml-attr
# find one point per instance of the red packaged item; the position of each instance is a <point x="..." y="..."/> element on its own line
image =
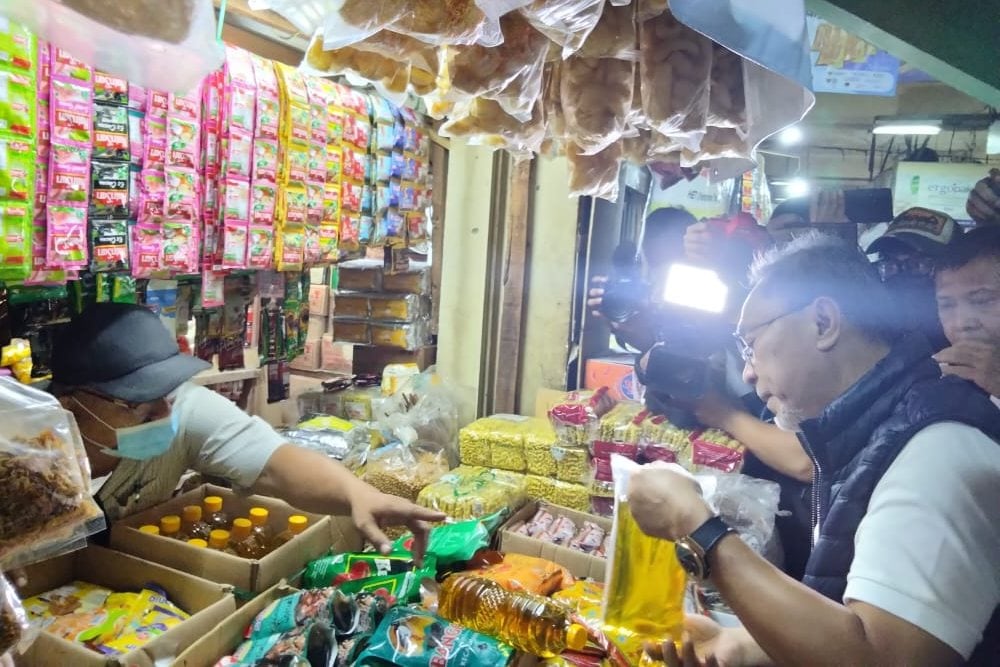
<point x="717" y="450"/>
<point x="540" y="522"/>
<point x="589" y="539"/>
<point x="528" y="574"/>
<point x="562" y="530"/>
<point x="577" y="419"/>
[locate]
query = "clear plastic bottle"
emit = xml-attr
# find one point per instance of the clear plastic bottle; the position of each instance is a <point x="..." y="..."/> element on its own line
<point x="529" y="623"/>
<point x="170" y="526"/>
<point x="213" y="514"/>
<point x="259" y="517"/>
<point x="242" y="541"/>
<point x="296" y="524"/>
<point x="219" y="540"/>
<point x="199" y="543"/>
<point x="192" y="525"/>
<point x="150" y="529"/>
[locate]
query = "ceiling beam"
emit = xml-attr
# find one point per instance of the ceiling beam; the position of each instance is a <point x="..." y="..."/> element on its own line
<point x="957" y="43"/>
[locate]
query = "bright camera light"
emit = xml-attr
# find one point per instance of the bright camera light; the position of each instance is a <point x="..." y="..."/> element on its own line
<point x="926" y="129"/>
<point x="697" y="288"/>
<point x="790" y="135"/>
<point x="798" y="187"/>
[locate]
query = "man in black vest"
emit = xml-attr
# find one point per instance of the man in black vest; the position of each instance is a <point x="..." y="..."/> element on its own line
<point x="905" y="565"/>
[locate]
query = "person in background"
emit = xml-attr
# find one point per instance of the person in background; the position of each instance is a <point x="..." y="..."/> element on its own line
<point x="967" y="280"/>
<point x="983" y="204"/>
<point x="905" y="566"/>
<point x="914" y="241"/>
<point x="143" y="424"/>
<point x="662" y="245"/>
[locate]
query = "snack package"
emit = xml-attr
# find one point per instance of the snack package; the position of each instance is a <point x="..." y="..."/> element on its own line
<point x="623" y="423"/>
<point x="527" y="574"/>
<point x="577" y="419"/>
<point x="399" y="336"/>
<point x="432" y="21"/>
<point x="596" y="98"/>
<point x="565" y="494"/>
<point x="454" y="543"/>
<point x="404" y="471"/>
<point x="394" y="576"/>
<point x="727" y="105"/>
<point x="310" y="644"/>
<point x="413" y="637"/>
<point x="660" y="440"/>
<point x="504" y="432"/>
<point x="14" y="624"/>
<point x="566" y="23"/>
<point x="614" y="36"/>
<point x="635" y="612"/>
<point x="483" y="122"/>
<point x="323" y="605"/>
<point x="594" y="175"/>
<point x="469" y="492"/>
<point x="717" y="450"/>
<point x="675" y="68"/>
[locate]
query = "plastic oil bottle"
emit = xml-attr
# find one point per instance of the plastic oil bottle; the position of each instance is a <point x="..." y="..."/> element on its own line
<point x="218" y="540"/>
<point x="198" y="543"/>
<point x="528" y="622"/>
<point x="213" y="514"/>
<point x="242" y="542"/>
<point x="150" y="529"/>
<point x="259" y="517"/>
<point x="170" y="526"/>
<point x="296" y="524"/>
<point x="191" y="524"/>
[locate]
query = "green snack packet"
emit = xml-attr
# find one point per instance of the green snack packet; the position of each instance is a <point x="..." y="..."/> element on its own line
<point x="413" y="637"/>
<point x="456" y="542"/>
<point x="394" y="575"/>
<point x="312" y="644"/>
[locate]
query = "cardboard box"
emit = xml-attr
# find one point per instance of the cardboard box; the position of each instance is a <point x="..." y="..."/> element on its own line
<point x="336" y="357"/>
<point x="318" y="275"/>
<point x="245" y="574"/>
<point x="317" y="327"/>
<point x="228" y="635"/>
<point x="617" y="374"/>
<point x="580" y="565"/>
<point x="208" y="603"/>
<point x="310" y="358"/>
<point x="370" y="359"/>
<point x="319" y="300"/>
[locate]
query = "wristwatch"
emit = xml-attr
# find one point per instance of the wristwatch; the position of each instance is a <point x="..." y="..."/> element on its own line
<point x="693" y="550"/>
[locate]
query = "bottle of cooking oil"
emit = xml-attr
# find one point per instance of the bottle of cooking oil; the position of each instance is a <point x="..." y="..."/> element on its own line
<point x="192" y="525"/>
<point x="199" y="543"/>
<point x="296" y="524"/>
<point x="219" y="541"/>
<point x="170" y="526"/>
<point x="243" y="542"/>
<point x="261" y="531"/>
<point x="528" y="622"/>
<point x="150" y="529"/>
<point x="213" y="514"/>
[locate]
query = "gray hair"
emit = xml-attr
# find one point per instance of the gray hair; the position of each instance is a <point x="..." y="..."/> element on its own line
<point x="815" y="265"/>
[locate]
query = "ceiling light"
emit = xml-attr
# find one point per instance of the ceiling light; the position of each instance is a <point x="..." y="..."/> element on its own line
<point x="797" y="187"/>
<point x="922" y="127"/>
<point x="790" y="135"/>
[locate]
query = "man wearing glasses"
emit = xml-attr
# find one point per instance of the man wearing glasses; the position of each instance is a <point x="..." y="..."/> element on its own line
<point x="906" y="535"/>
<point x="120" y="373"/>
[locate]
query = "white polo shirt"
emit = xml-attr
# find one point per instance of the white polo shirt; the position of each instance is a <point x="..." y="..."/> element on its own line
<point x="928" y="549"/>
<point x="214" y="437"/>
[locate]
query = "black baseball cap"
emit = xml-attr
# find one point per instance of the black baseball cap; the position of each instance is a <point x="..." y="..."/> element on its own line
<point x="122" y="351"/>
<point x="918" y="229"/>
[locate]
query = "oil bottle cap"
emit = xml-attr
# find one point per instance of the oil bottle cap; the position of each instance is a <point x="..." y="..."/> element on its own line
<point x="170" y="524"/>
<point x="258" y="516"/>
<point x="218" y="538"/>
<point x="241" y="529"/>
<point x="297" y="523"/>
<point x="576" y="637"/>
<point x="201" y="544"/>
<point x="152" y="530"/>
<point x="213" y="503"/>
<point x="192" y="513"/>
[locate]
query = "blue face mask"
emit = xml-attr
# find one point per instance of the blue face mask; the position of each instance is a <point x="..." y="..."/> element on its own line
<point x="141" y="442"/>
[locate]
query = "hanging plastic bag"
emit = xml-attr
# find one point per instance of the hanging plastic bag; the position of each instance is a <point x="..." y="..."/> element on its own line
<point x="15" y="631"/>
<point x="675" y="66"/>
<point x="554" y="143"/>
<point x="614" y="36"/>
<point x="483" y="122"/>
<point x="404" y="470"/>
<point x="568" y="23"/>
<point x="727" y="105"/>
<point x="431" y="21"/>
<point x="163" y="44"/>
<point x="46" y="508"/>
<point x="596" y="98"/>
<point x="594" y="175"/>
<point x="348" y="59"/>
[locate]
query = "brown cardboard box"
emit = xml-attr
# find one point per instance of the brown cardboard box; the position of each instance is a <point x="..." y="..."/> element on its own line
<point x="580" y="565"/>
<point x="207" y="602"/>
<point x="370" y="359"/>
<point x="317" y="327"/>
<point x="319" y="300"/>
<point x="617" y="374"/>
<point x="310" y="359"/>
<point x="228" y="635"/>
<point x="336" y="357"/>
<point x="245" y="574"/>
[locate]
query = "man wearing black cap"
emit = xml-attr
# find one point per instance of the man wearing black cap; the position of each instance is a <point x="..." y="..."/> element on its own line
<point x="120" y="373"/>
<point x="907" y="251"/>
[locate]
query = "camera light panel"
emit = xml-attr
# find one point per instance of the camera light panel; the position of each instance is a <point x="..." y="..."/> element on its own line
<point x="694" y="287"/>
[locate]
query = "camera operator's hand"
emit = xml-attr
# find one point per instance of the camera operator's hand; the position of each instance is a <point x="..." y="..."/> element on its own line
<point x="828" y="206"/>
<point x="983" y="204"/>
<point x="699" y="242"/>
<point x="637" y="332"/>
<point x="595" y="297"/>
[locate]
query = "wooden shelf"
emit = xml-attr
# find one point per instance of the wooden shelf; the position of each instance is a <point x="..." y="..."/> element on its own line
<point x="214" y="376"/>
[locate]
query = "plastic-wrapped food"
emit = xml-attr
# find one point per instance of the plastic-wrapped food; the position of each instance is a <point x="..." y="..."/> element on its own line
<point x="351" y="331"/>
<point x="596" y="99"/>
<point x="594" y="175"/>
<point x="614" y="36"/>
<point x="635" y="149"/>
<point x="483" y="122"/>
<point x="555" y="127"/>
<point x="13" y="621"/>
<point x="675" y="64"/>
<point x="331" y="436"/>
<point x="366" y="64"/>
<point x="44" y="476"/>
<point x="433" y="21"/>
<point x="424" y="412"/>
<point x="351" y="304"/>
<point x="663" y="441"/>
<point x="404" y="471"/>
<point x="727" y="106"/>
<point x="415" y="281"/>
<point x="312" y="644"/>
<point x="717" y="450"/>
<point x="545" y="457"/>
<point x="565" y="494"/>
<point x="470" y="492"/>
<point x="395" y="307"/>
<point x="500" y="440"/>
<point x="399" y="336"/>
<point x="360" y="276"/>
<point x="323" y="605"/>
<point x="576" y="419"/>
<point x="623" y="423"/>
<point x="527" y="574"/>
<point x="568" y="23"/>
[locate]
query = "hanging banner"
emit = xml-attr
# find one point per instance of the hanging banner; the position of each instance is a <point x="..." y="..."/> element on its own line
<point x="935" y="185"/>
<point x="845" y="64"/>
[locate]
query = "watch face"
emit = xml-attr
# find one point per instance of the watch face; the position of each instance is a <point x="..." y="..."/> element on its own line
<point x="690" y="561"/>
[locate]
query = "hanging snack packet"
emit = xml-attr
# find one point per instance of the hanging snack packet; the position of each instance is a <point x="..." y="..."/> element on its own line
<point x="634" y="611"/>
<point x="261" y="247"/>
<point x="17" y="169"/>
<point x="263" y="197"/>
<point x="182" y="194"/>
<point x="109" y="189"/>
<point x="413" y="637"/>
<point x="17" y="104"/>
<point x="110" y="88"/>
<point x="109" y="245"/>
<point x="15" y="241"/>
<point x="111" y="130"/>
<point x="66" y="236"/>
<point x="147" y="250"/>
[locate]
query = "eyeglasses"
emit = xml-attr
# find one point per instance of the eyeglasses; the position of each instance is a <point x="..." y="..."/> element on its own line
<point x="915" y="265"/>
<point x="745" y="347"/>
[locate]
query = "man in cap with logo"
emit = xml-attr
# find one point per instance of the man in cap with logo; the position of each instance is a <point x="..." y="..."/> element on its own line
<point x="144" y="424"/>
<point x="907" y="252"/>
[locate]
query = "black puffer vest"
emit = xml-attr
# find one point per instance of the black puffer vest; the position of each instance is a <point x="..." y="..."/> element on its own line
<point x="858" y="437"/>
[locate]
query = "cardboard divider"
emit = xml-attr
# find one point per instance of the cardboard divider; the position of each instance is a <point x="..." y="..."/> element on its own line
<point x="208" y="604"/>
<point x="247" y="575"/>
<point x="225" y="637"/>
<point x="579" y="564"/>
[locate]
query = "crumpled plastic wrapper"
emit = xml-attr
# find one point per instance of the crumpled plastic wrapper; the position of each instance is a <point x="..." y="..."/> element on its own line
<point x="727" y="106"/>
<point x="433" y="21"/>
<point x="596" y="99"/>
<point x="567" y="23"/>
<point x="614" y="36"/>
<point x="594" y="175"/>
<point x="483" y="122"/>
